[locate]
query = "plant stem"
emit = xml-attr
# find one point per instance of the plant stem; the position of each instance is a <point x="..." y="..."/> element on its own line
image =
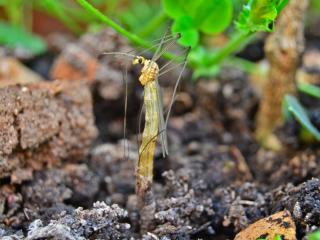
<point x="245" y="65"/>
<point x="60" y="11"/>
<point x="233" y="44"/>
<point x="131" y="37"/>
<point x="153" y="24"/>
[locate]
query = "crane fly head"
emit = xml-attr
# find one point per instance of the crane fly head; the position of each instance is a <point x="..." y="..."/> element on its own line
<point x="138" y="60"/>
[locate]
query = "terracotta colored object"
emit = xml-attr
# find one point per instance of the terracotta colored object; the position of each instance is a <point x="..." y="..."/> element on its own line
<point x="268" y="228"/>
<point x="74" y="64"/>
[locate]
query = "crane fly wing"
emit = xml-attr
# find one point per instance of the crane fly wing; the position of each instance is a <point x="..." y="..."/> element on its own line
<point x="161" y="44"/>
<point x="162" y="126"/>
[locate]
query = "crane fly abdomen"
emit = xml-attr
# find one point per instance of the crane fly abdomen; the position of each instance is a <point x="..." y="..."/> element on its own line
<point x="148" y="77"/>
<point x="147" y="147"/>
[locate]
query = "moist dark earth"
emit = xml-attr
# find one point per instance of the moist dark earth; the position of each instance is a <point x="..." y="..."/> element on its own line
<point x="65" y="173"/>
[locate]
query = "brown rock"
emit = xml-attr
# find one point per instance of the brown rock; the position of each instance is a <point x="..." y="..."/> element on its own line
<point x="84" y="59"/>
<point x="43" y="123"/>
<point x="75" y="63"/>
<point x="13" y="72"/>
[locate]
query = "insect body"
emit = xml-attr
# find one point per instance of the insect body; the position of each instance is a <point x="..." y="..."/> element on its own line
<point x="154" y="123"/>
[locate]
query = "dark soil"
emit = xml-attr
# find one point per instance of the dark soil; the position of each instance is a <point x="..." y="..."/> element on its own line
<point x="215" y="182"/>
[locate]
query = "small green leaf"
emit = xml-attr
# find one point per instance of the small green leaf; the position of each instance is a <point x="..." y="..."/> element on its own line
<point x="314" y="236"/>
<point x="208" y="16"/>
<point x="310" y="89"/>
<point x="189" y="34"/>
<point x="259" y="15"/>
<point x="13" y="37"/>
<point x="292" y="106"/>
<point x="280" y="4"/>
<point x="174" y="8"/>
<point x="213" y="16"/>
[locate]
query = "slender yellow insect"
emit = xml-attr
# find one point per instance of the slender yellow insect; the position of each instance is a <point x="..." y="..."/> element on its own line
<point x="153" y="117"/>
<point x="155" y="125"/>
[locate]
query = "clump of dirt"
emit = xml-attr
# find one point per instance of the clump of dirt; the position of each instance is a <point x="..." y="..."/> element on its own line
<point x="101" y="222"/>
<point x="44" y="123"/>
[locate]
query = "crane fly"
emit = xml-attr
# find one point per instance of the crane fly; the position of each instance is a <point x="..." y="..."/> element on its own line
<point x="155" y="123"/>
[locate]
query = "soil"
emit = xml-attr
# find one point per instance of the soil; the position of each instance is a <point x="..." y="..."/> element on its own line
<point x="60" y="180"/>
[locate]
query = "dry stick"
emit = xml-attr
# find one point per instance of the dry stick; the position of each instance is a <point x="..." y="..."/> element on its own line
<point x="283" y="49"/>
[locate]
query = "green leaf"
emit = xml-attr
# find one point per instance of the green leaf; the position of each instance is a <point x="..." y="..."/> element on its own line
<point x="259" y="15"/>
<point x="210" y="17"/>
<point x="292" y="106"/>
<point x="281" y="4"/>
<point x="189" y="34"/>
<point x="213" y="16"/>
<point x="310" y="89"/>
<point x="175" y="8"/>
<point x="314" y="236"/>
<point x="13" y="37"/>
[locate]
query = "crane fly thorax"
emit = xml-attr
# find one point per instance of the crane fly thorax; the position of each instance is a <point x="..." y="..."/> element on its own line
<point x="149" y="71"/>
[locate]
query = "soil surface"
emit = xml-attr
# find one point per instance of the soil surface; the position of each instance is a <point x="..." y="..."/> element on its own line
<point x="65" y="173"/>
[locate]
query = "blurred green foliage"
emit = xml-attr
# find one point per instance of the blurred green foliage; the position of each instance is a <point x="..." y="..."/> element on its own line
<point x="292" y="108"/>
<point x="259" y="15"/>
<point x="194" y="17"/>
<point x="215" y="18"/>
<point x="16" y="37"/>
<point x="314" y="236"/>
<point x="144" y="20"/>
<point x="309" y="89"/>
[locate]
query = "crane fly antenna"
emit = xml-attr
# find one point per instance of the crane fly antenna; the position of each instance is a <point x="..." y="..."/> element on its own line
<point x="117" y="53"/>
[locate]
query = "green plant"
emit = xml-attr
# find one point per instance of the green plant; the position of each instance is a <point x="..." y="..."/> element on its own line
<point x="309" y="89"/>
<point x="195" y="18"/>
<point x="15" y="36"/>
<point x="147" y="20"/>
<point x="292" y="108"/>
<point x="314" y="236"/>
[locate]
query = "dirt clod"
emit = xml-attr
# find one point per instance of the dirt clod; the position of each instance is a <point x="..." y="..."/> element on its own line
<point x="42" y="124"/>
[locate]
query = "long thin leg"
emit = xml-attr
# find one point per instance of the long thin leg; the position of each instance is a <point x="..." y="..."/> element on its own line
<point x="125" y="143"/>
<point x="176" y="87"/>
